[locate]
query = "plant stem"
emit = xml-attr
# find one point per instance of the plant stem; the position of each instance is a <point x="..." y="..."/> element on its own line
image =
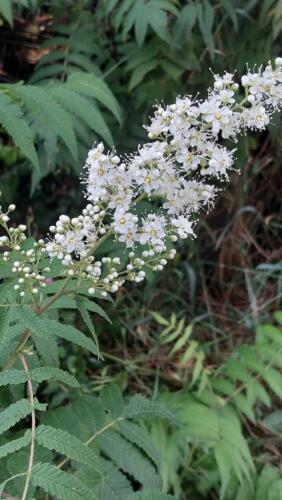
<point x="33" y="426"/>
<point x="97" y="433"/>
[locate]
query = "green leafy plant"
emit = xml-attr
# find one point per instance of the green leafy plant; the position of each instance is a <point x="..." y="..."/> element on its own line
<point x="211" y="443"/>
<point x="46" y="115"/>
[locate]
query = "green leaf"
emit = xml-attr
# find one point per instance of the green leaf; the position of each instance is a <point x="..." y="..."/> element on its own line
<point x="274" y="380"/>
<point x="274" y="421"/>
<point x="94" y="86"/>
<point x="129" y="458"/>
<point x="93" y="307"/>
<point x="269" y="332"/>
<point x="47" y="348"/>
<point x="231" y="11"/>
<point x="87" y="320"/>
<point x="185" y="22"/>
<point x="15" y="444"/>
<point x="140" y="407"/>
<point x="149" y="495"/>
<point x="268" y="476"/>
<point x="205" y="16"/>
<point x="49" y="327"/>
<point x="83" y="109"/>
<point x="140" y="437"/>
<point x="65" y="443"/>
<point x="39" y="101"/>
<point x="139" y="73"/>
<point x="47" y="372"/>
<point x="6" y="10"/>
<point x="12" y="119"/>
<point x="58" y="483"/>
<point x="112" y="400"/>
<point x="115" y="485"/>
<point x="12" y="376"/>
<point x="278" y="317"/>
<point x="13" y="414"/>
<point x="159" y="319"/>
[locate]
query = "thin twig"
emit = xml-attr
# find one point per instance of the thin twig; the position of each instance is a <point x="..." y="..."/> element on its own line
<point x="106" y="427"/>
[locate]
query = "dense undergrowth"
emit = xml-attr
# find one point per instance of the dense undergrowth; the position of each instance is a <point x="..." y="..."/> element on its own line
<point x="201" y="340"/>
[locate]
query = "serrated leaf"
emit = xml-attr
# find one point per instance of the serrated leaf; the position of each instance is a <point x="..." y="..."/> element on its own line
<point x="139" y="73"/>
<point x="12" y="376"/>
<point x="93" y="307"/>
<point x="94" y="86"/>
<point x="13" y="121"/>
<point x="84" y="109"/>
<point x="112" y="400"/>
<point x="47" y="348"/>
<point x="65" y="443"/>
<point x="87" y="320"/>
<point x="129" y="458"/>
<point x="47" y="372"/>
<point x="39" y="101"/>
<point x="49" y="327"/>
<point x="15" y="444"/>
<point x="58" y="483"/>
<point x="140" y="437"/>
<point x="140" y="407"/>
<point x="13" y="414"/>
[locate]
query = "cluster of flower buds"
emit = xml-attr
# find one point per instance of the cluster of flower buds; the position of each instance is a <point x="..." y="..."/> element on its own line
<point x="191" y="150"/>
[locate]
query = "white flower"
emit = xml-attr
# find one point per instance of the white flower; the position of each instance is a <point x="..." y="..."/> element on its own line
<point x="124" y="221"/>
<point x="178" y="170"/>
<point x="255" y="118"/>
<point x="153" y="232"/>
<point x="183" y="226"/>
<point x="220" y="162"/>
<point x="189" y="159"/>
<point x="216" y="115"/>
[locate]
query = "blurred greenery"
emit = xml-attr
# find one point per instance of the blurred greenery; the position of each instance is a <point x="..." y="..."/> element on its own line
<point x="201" y="336"/>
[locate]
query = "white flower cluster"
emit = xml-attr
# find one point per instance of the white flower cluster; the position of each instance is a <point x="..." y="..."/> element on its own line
<point x="192" y="150"/>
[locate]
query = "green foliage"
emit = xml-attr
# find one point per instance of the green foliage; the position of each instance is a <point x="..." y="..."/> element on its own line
<point x="58" y="483"/>
<point x="46" y="115"/>
<point x="99" y="70"/>
<point x="213" y="412"/>
<point x="93" y="444"/>
<point x="13" y="414"/>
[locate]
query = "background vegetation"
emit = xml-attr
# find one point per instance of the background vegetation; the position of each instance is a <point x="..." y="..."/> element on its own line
<point x="203" y="336"/>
